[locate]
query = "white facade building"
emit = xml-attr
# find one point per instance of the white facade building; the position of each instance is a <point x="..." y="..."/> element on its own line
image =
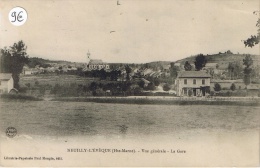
<point x="192" y="83"/>
<point x="6" y="82"/>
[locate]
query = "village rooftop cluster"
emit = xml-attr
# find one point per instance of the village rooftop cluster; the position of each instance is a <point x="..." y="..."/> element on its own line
<point x="97" y="78"/>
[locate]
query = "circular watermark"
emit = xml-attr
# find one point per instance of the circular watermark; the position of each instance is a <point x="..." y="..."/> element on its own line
<point x="17" y="16"/>
<point x="11" y="132"/>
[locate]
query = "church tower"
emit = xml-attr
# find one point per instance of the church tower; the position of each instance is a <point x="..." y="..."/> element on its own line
<point x="88" y="56"/>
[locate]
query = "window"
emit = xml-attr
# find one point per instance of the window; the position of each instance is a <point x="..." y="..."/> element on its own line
<point x="185" y="81"/>
<point x="203" y="81"/>
<point x="194" y="81"/>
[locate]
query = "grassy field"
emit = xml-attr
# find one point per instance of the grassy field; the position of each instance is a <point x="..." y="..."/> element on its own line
<point x="57" y="118"/>
<point x="53" y="79"/>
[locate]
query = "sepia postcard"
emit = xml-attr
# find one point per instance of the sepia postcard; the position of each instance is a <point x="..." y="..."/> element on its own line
<point x="129" y="83"/>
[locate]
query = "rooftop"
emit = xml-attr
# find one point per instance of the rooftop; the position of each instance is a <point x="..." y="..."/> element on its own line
<point x="95" y="61"/>
<point x="193" y="74"/>
<point x="227" y="81"/>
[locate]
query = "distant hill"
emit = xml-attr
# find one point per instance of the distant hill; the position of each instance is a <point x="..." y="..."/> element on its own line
<point x="222" y="59"/>
<point x="153" y="65"/>
<point x="33" y="61"/>
<point x="159" y="63"/>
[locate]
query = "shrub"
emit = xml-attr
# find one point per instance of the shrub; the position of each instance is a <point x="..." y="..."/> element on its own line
<point x="217" y="87"/>
<point x="166" y="87"/>
<point x="156" y="82"/>
<point x="28" y="85"/>
<point x="150" y="86"/>
<point x="137" y="90"/>
<point x="93" y="86"/>
<point x="23" y="89"/>
<point x="141" y="83"/>
<point x="233" y="87"/>
<point x="229" y="93"/>
<point x="36" y="83"/>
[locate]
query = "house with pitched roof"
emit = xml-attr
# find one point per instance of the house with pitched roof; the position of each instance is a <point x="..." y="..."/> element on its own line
<point x="6" y="82"/>
<point x="192" y="83"/>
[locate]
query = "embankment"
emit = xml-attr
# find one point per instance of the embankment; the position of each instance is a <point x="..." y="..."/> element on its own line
<point x="165" y="100"/>
<point x="10" y="97"/>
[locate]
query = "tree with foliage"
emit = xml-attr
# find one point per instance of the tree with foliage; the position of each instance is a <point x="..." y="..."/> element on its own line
<point x="150" y="86"/>
<point x="103" y="74"/>
<point x="200" y="62"/>
<point x="13" y="59"/>
<point x="114" y="75"/>
<point x="156" y="82"/>
<point x="234" y="70"/>
<point x="174" y="70"/>
<point x="187" y="66"/>
<point x="141" y="83"/>
<point x="254" y="39"/>
<point x="36" y="83"/>
<point x="126" y="87"/>
<point x="229" y="52"/>
<point x="166" y="87"/>
<point x="217" y="87"/>
<point x="231" y="68"/>
<point x="93" y="86"/>
<point x="28" y="85"/>
<point x="233" y="87"/>
<point x="128" y="71"/>
<point x="248" y="62"/>
<point x="172" y="64"/>
<point x="211" y="72"/>
<point x="137" y="90"/>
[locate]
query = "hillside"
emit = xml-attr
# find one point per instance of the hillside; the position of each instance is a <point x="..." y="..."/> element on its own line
<point x="158" y="63"/>
<point x="222" y="59"/>
<point x="33" y="61"/>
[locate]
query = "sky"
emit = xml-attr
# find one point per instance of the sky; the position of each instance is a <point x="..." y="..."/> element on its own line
<point x="136" y="31"/>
